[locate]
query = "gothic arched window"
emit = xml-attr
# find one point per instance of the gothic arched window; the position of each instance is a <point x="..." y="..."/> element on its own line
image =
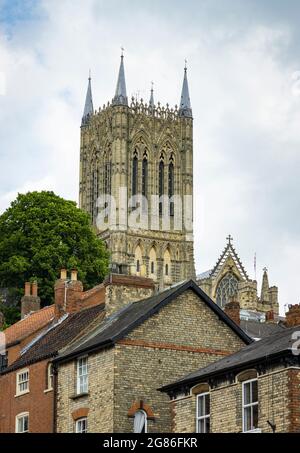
<point x="171" y="185"/>
<point x="145" y="175"/>
<point x="152" y="259"/>
<point x="161" y="181"/>
<point x="138" y="259"/>
<point x="227" y="288"/>
<point x="135" y="173"/>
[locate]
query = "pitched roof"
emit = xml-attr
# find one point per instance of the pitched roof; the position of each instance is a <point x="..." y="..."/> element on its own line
<point x="29" y="325"/>
<point x="119" y="324"/>
<point x="269" y="347"/>
<point x="56" y="337"/>
<point x="229" y="251"/>
<point x="258" y="330"/>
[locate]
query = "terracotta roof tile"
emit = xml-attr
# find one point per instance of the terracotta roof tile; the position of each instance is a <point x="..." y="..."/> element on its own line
<point x="29" y="325"/>
<point x="58" y="336"/>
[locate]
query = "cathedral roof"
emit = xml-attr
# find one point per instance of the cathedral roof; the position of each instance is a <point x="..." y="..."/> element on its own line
<point x="119" y="324"/>
<point x="120" y="97"/>
<point x="229" y="251"/>
<point x="185" y="108"/>
<point x="88" y="107"/>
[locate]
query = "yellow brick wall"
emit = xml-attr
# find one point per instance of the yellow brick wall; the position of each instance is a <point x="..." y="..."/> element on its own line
<point x="226" y="406"/>
<point x="100" y="398"/>
<point x="183" y="336"/>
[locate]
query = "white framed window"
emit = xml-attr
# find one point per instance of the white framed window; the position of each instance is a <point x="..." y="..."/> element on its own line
<point x="50" y="376"/>
<point x="203" y="413"/>
<point x="81" y="425"/>
<point x="250" y="405"/>
<point x="82" y="375"/>
<point x="22" y="382"/>
<point x="140" y="422"/>
<point x="22" y="423"/>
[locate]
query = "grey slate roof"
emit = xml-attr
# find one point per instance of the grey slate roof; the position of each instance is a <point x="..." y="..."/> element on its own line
<point x="122" y="322"/>
<point x="271" y="346"/>
<point x="259" y="330"/>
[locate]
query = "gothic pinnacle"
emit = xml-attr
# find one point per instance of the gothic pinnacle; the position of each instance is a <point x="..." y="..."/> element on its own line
<point x="185" y="108"/>
<point x="151" y="102"/>
<point x="120" y="97"/>
<point x="88" y="107"/>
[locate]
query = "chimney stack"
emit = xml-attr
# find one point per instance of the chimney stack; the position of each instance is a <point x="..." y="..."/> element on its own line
<point x="30" y="302"/>
<point x="67" y="294"/>
<point x="270" y="317"/>
<point x="292" y="317"/>
<point x="232" y="309"/>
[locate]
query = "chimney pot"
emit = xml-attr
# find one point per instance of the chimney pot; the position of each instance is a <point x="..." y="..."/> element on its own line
<point x="63" y="274"/>
<point x="74" y="275"/>
<point x="27" y="289"/>
<point x="34" y="289"/>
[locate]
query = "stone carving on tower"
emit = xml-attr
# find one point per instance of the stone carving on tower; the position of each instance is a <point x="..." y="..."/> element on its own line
<point x="136" y="182"/>
<point x="229" y="280"/>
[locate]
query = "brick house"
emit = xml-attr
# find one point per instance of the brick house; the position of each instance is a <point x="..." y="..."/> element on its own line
<point x="27" y="394"/>
<point x="107" y="380"/>
<point x="256" y="389"/>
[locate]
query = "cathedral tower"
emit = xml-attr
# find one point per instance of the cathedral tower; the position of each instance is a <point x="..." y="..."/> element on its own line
<point x="136" y="182"/>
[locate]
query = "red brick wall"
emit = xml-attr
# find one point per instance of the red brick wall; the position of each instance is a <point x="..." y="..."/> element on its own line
<point x="38" y="403"/>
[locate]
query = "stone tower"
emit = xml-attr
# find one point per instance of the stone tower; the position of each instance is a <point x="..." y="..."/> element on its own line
<point x="136" y="182"/>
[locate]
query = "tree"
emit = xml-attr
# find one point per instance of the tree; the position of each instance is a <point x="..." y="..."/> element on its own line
<point x="40" y="233"/>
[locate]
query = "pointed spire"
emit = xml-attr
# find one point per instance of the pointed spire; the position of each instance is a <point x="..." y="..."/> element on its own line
<point x="88" y="107"/>
<point x="185" y="108"/>
<point x="265" y="287"/>
<point x="151" y="102"/>
<point x="121" y="95"/>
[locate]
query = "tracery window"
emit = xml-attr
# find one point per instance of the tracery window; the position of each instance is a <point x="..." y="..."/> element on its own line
<point x="227" y="288"/>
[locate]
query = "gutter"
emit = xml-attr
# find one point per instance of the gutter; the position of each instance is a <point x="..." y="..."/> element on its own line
<point x="214" y="374"/>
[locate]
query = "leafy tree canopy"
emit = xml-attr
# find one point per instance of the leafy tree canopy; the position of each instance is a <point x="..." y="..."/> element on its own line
<point x="40" y="233"/>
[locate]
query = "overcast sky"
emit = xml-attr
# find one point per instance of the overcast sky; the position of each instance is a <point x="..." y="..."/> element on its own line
<point x="244" y="76"/>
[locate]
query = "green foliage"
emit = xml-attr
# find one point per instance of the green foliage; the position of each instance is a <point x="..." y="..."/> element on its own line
<point x="39" y="234"/>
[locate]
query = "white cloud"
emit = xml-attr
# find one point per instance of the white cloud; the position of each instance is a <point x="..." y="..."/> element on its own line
<point x="247" y="116"/>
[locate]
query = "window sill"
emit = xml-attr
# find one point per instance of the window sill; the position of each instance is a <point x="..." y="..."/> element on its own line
<point x="48" y="390"/>
<point x="21" y="394"/>
<point x="79" y="395"/>
<point x="253" y="431"/>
